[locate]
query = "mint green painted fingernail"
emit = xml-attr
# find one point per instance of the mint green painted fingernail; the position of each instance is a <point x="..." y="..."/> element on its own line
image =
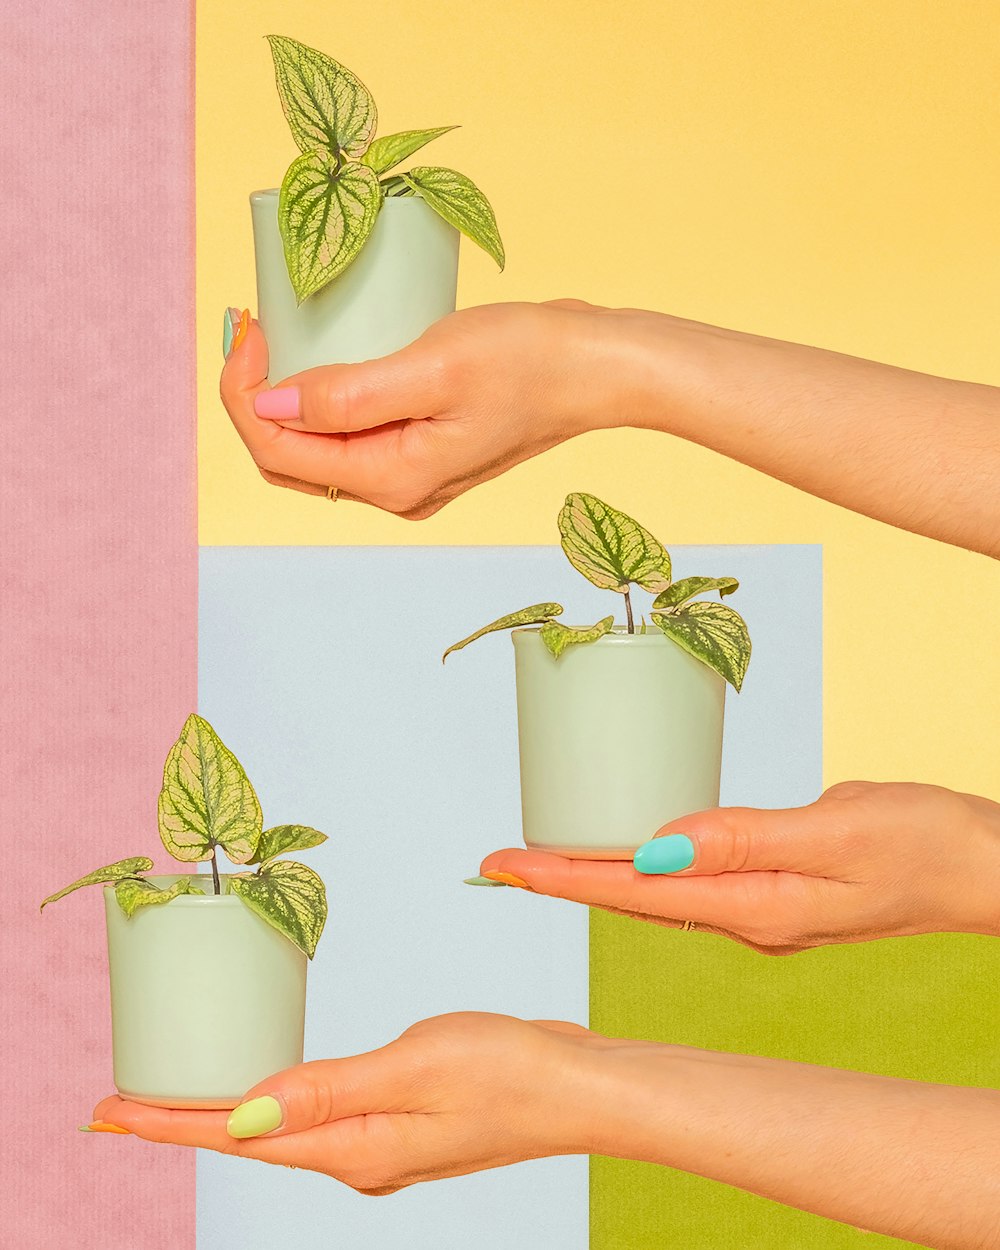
<point x="482" y="881"/>
<point x="250" y="1119"/>
<point x="229" y="324"/>
<point x="670" y="853"/>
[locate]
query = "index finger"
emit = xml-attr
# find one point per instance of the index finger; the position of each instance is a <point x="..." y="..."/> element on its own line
<point x="725" y="901"/>
<point x="206" y="1130"/>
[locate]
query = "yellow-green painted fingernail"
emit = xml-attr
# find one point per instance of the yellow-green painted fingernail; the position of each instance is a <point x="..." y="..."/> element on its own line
<point x="99" y="1126"/>
<point x="250" y="1119"/>
<point x="229" y="323"/>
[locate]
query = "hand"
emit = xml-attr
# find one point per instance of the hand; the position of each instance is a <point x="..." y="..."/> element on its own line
<point x="864" y="861"/>
<point x="454" y="1094"/>
<point x="479" y="392"/>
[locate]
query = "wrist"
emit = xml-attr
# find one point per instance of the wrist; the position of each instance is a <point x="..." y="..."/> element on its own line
<point x="649" y="369"/>
<point x="618" y="1082"/>
<point x="975" y="901"/>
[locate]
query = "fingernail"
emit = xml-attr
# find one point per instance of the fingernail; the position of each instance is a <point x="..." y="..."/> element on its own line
<point x="99" y="1126"/>
<point x="481" y="881"/>
<point x="229" y="323"/>
<point x="670" y="853"/>
<point x="280" y="404"/>
<point x="507" y="878"/>
<point x="250" y="1119"/>
<point x="241" y="331"/>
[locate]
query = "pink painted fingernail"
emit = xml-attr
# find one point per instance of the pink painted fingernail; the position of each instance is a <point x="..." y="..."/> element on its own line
<point x="280" y="404"/>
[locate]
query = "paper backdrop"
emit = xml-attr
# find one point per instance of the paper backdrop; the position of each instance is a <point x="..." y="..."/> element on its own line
<point x="825" y="173"/>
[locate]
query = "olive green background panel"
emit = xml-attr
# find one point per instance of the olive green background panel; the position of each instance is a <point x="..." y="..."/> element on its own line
<point x="920" y="1007"/>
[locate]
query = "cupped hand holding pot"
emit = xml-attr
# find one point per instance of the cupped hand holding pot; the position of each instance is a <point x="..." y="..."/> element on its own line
<point x="866" y="860"/>
<point x="486" y="388"/>
<point x="460" y="1093"/>
<point x="471" y="398"/>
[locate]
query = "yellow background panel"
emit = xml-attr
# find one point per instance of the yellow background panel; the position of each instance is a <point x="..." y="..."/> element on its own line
<point x="827" y="173"/>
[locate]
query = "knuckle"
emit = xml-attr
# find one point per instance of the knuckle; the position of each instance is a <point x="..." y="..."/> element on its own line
<point x="848" y="790"/>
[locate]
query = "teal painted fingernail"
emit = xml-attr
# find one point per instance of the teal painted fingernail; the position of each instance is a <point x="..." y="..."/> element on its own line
<point x="250" y="1119"/>
<point x="229" y="324"/>
<point x="670" y="853"/>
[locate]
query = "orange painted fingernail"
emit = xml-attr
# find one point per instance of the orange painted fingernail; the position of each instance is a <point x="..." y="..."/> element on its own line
<point x="99" y="1126"/>
<point x="507" y="878"/>
<point x="241" y="330"/>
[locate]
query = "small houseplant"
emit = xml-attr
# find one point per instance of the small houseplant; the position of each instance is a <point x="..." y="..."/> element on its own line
<point x="355" y="259"/>
<point x="620" y="726"/>
<point x="208" y="972"/>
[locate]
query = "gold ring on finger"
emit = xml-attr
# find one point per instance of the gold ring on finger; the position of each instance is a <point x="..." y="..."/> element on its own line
<point x="687" y="926"/>
<point x="333" y="493"/>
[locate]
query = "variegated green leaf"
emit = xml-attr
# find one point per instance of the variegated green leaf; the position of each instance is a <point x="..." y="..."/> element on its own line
<point x="207" y="799"/>
<point x="387" y="151"/>
<point x="460" y="202"/>
<point x="609" y="548"/>
<point x="290" y="897"/>
<point x="712" y="633"/>
<point x="327" y="106"/>
<point x="112" y="872"/>
<point x="557" y="637"/>
<point x="534" y="615"/>
<point x="680" y="592"/>
<point x="325" y="216"/>
<point x="132" y="895"/>
<point x="284" y="838"/>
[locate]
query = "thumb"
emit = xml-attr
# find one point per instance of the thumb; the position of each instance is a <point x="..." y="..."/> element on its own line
<point x="342" y="399"/>
<point x="743" y="839"/>
<point x="319" y="1092"/>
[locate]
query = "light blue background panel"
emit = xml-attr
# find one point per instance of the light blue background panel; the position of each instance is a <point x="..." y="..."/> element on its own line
<point x="321" y="668"/>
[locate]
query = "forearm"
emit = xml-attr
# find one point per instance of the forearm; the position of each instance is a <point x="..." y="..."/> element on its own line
<point x="920" y="452"/>
<point x="897" y="1157"/>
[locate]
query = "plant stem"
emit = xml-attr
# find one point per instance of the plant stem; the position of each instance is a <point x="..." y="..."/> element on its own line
<point x="215" y="873"/>
<point x="628" y="612"/>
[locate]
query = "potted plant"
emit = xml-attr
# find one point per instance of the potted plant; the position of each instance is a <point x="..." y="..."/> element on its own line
<point x="355" y="259"/>
<point x="208" y="972"/>
<point x="619" y="727"/>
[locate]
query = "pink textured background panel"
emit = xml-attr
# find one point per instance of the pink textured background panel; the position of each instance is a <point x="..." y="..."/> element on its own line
<point x="98" y="600"/>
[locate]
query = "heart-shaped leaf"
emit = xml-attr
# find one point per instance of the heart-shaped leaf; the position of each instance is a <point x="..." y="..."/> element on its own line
<point x="609" y="548"/>
<point x="284" y="838"/>
<point x="388" y="150"/>
<point x="325" y="215"/>
<point x="712" y="633"/>
<point x="557" y="637"/>
<point x="112" y="872"/>
<point x="534" y="615"/>
<point x="680" y="592"/>
<point x="460" y="202"/>
<point x="327" y="107"/>
<point x="207" y="799"/>
<point x="290" y="897"/>
<point x="132" y="895"/>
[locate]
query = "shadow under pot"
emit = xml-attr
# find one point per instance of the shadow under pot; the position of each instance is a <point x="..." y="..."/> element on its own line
<point x="616" y="738"/>
<point x="403" y="279"/>
<point x="207" y="999"/>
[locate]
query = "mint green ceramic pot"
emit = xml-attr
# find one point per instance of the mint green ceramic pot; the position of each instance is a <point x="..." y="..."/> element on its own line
<point x="404" y="278"/>
<point x="206" y="999"/>
<point x="616" y="738"/>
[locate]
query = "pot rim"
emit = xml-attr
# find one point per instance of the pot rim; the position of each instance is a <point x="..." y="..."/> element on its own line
<point x="191" y="900"/>
<point x="618" y="636"/>
<point x="272" y="193"/>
